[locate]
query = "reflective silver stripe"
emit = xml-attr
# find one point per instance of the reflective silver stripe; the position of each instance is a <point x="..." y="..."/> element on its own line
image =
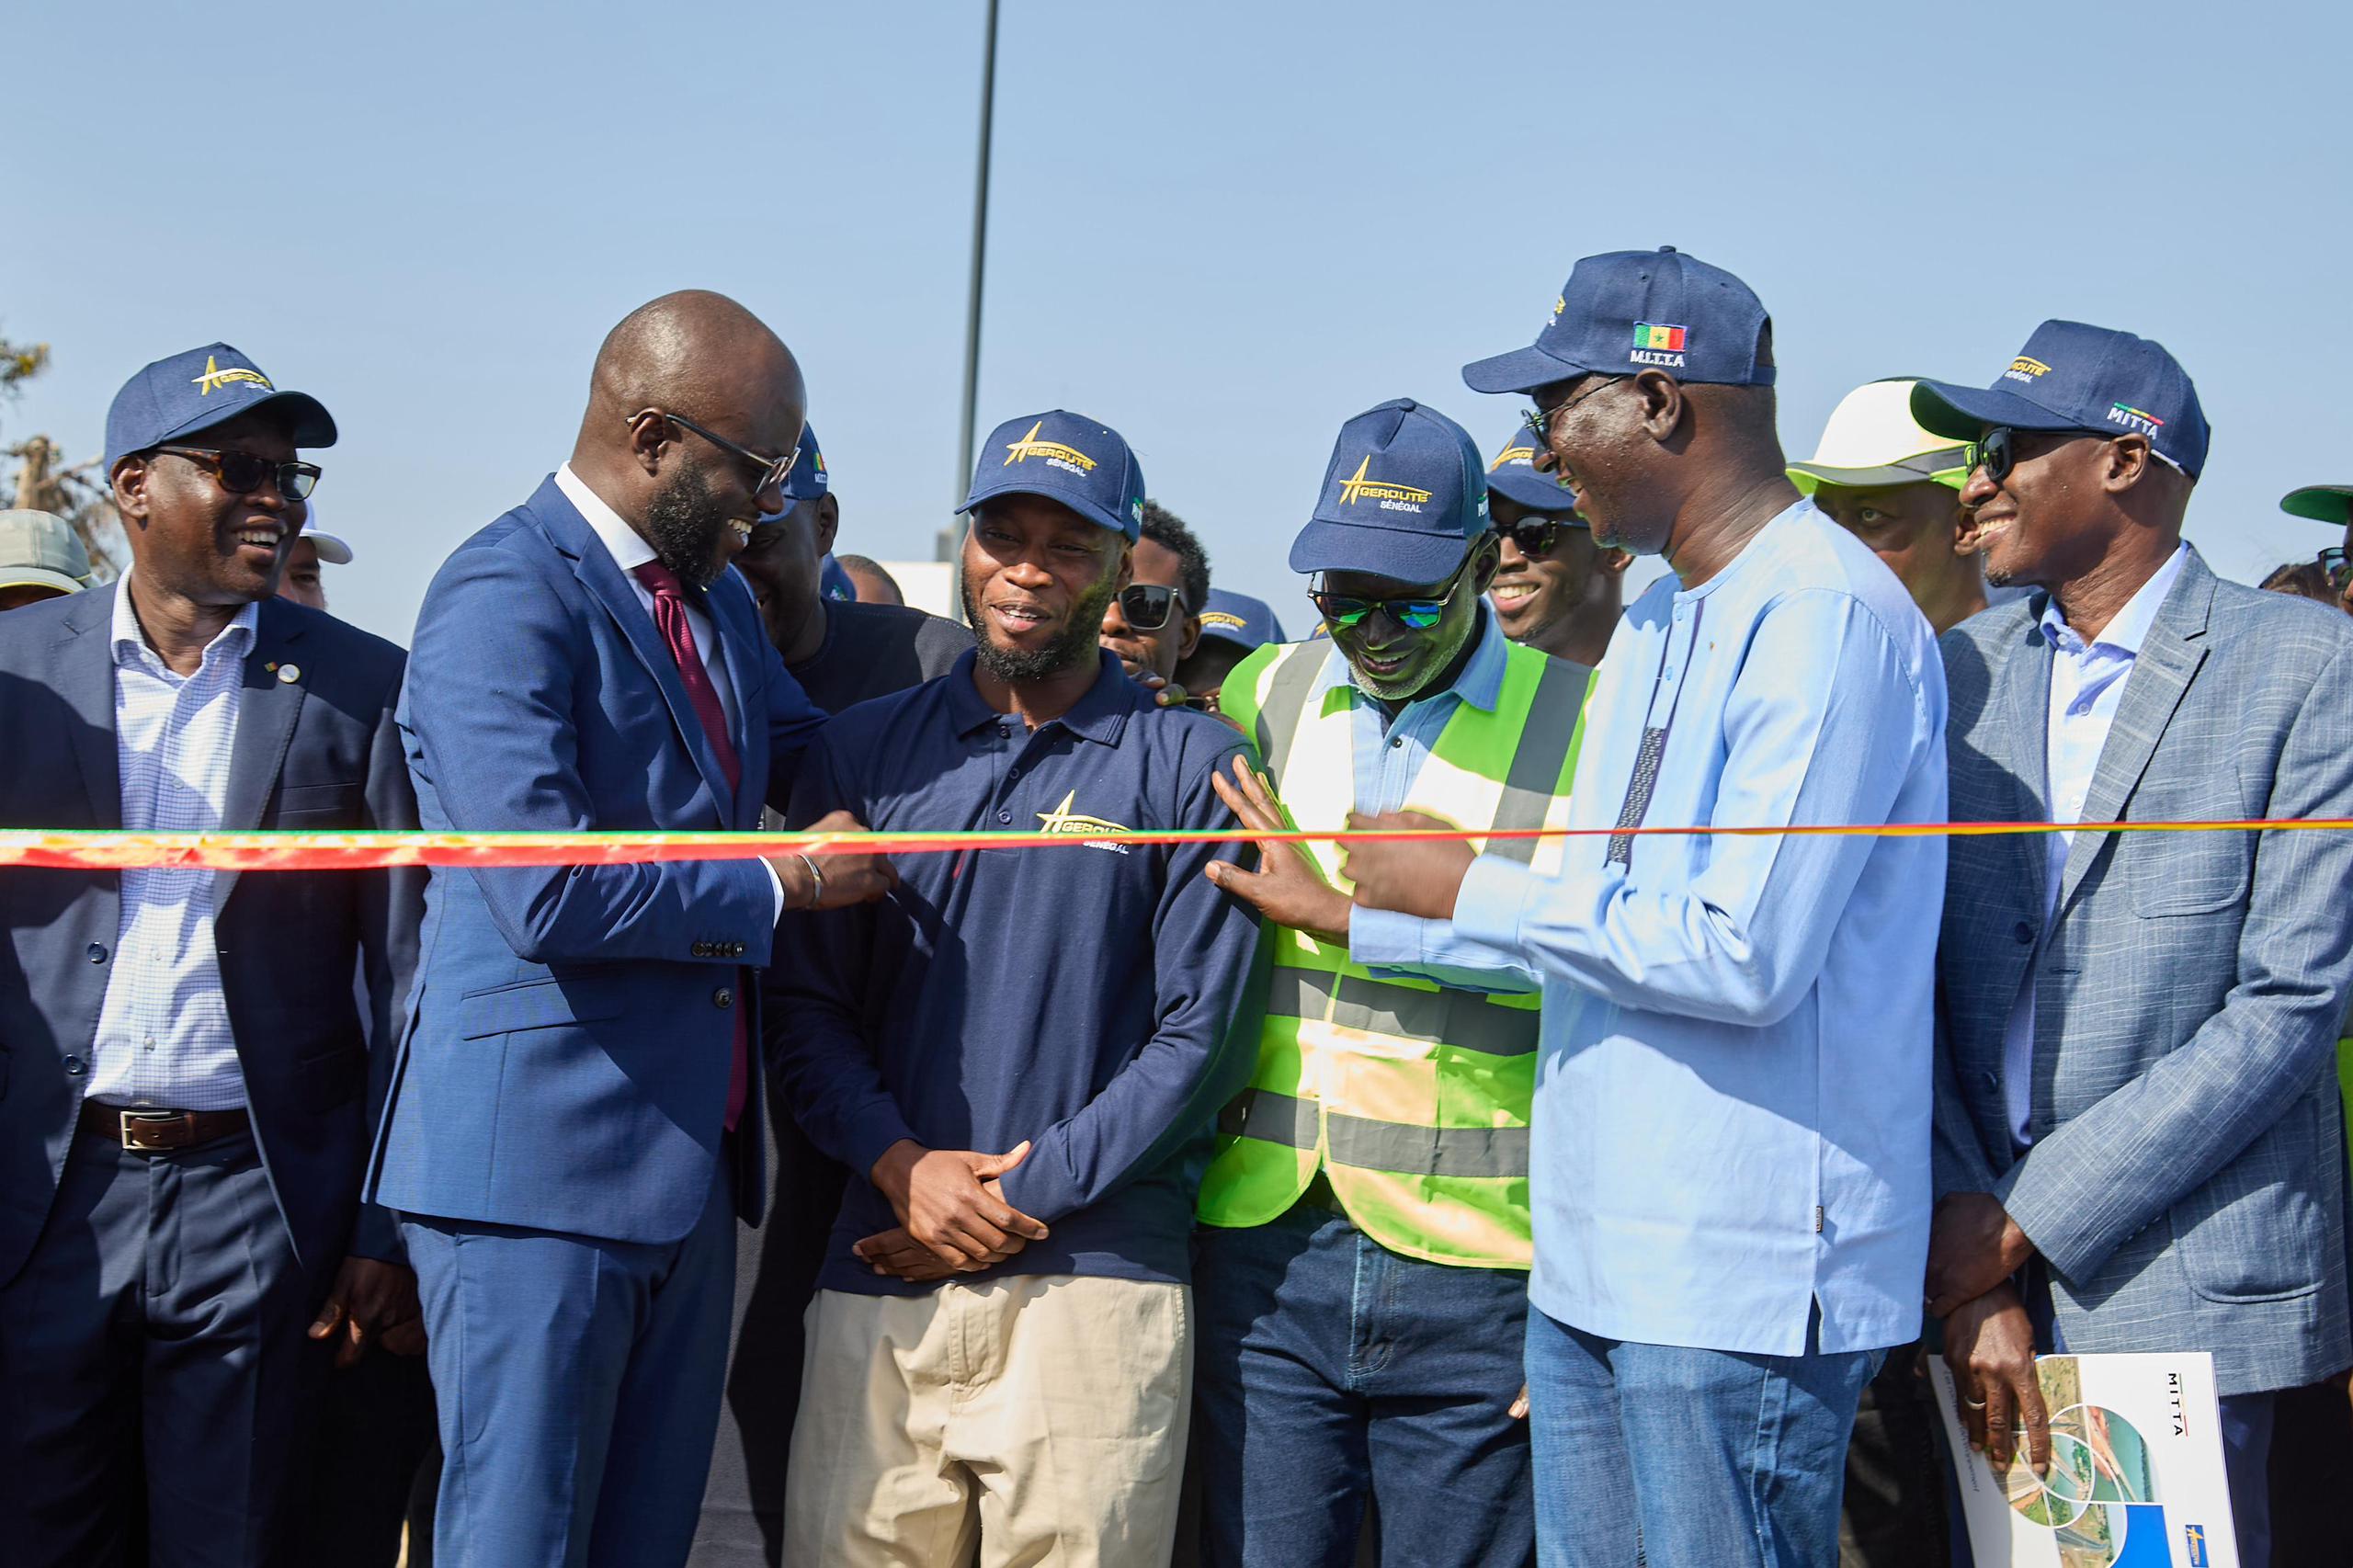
<point x="1487" y="1152"/>
<point x="1286" y="699"/>
<point x="1534" y="778"/>
<point x="1277" y="1119"/>
<point x="1481" y="1152"/>
<point x="1440" y="1018"/>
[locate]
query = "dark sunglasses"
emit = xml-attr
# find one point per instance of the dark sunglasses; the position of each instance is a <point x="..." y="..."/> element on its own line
<point x="1148" y="607"/>
<point x="2333" y="563"/>
<point x="1534" y="536"/>
<point x="241" y="474"/>
<point x="1997" y="452"/>
<point x="772" y="471"/>
<point x="1414" y="615"/>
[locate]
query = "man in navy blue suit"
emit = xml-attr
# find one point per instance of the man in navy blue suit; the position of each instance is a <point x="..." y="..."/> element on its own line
<point x="185" y="1057"/>
<point x="570" y="1135"/>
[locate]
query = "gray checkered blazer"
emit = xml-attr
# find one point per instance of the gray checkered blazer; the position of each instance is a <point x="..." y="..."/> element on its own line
<point x="2186" y="1179"/>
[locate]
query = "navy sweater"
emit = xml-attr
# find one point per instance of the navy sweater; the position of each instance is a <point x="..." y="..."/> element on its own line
<point x="1079" y="997"/>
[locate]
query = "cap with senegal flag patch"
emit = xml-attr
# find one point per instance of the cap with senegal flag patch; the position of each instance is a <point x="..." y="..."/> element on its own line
<point x="1872" y="442"/>
<point x="2092" y="381"/>
<point x="1513" y="476"/>
<point x="1066" y="457"/>
<point x="808" y="478"/>
<point x="1629" y="311"/>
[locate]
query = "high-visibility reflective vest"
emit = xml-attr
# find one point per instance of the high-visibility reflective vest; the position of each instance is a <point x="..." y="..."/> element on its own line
<point x="1413" y="1097"/>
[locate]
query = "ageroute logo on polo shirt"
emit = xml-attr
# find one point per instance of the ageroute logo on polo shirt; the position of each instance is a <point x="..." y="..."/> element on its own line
<point x="1064" y="823"/>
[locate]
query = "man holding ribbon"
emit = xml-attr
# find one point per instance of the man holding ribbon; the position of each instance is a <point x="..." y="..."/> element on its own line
<point x="572" y="1132"/>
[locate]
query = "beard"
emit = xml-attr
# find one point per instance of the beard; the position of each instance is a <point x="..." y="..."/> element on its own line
<point x="1077" y="641"/>
<point x="684" y="525"/>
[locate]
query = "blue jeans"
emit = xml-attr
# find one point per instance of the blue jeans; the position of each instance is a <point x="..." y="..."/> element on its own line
<point x="1690" y="1459"/>
<point x="1330" y="1369"/>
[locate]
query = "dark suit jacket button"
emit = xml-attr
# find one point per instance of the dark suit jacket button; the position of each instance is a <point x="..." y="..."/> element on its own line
<point x="1993" y="1081"/>
<point x="76" y="1066"/>
<point x="722" y="997"/>
<point x="98" y="953"/>
<point x="700" y="950"/>
<point x="2022" y="934"/>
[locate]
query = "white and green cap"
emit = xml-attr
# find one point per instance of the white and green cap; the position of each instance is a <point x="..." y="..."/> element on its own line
<point x="1873" y="440"/>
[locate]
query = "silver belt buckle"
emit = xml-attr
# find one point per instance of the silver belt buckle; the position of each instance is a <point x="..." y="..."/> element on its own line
<point x="129" y="1117"/>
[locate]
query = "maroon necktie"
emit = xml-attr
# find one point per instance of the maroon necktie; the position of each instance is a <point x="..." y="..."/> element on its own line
<point x="670" y="620"/>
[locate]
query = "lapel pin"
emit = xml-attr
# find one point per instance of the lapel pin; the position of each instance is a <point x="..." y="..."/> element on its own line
<point x="289" y="674"/>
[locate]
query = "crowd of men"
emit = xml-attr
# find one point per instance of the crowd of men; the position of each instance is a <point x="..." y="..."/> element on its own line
<point x="1564" y="1187"/>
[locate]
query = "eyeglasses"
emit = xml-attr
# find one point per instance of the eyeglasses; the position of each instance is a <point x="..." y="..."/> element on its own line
<point x="772" y="471"/>
<point x="1148" y="607"/>
<point x="1540" y="420"/>
<point x="241" y="474"/>
<point x="1997" y="452"/>
<point x="2339" y="570"/>
<point x="1534" y="535"/>
<point x="1340" y="610"/>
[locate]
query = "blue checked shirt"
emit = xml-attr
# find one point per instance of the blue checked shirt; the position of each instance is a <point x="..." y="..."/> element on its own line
<point x="163" y="1036"/>
<point x="1731" y="1126"/>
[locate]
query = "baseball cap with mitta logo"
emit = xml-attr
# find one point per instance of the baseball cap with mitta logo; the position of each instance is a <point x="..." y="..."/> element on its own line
<point x="2088" y="380"/>
<point x="1630" y="311"/>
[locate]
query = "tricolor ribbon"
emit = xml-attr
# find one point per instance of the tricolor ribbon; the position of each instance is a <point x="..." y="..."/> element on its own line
<point x="349" y="851"/>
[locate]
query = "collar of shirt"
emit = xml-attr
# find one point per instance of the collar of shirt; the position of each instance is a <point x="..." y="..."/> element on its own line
<point x="2129" y="628"/>
<point x="1480" y="684"/>
<point x="130" y="641"/>
<point x="625" y="544"/>
<point x="1099" y="716"/>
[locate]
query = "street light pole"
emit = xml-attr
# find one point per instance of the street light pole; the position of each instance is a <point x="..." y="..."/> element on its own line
<point x="951" y="537"/>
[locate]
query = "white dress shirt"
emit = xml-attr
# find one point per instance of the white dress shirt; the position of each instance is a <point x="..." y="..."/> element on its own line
<point x="630" y="551"/>
<point x="2086" y="684"/>
<point x="164" y="1037"/>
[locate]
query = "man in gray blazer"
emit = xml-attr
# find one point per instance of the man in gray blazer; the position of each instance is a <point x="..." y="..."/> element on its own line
<point x="2138" y="1140"/>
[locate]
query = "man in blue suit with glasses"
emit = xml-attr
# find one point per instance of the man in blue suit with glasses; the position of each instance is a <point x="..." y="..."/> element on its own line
<point x="570" y="1136"/>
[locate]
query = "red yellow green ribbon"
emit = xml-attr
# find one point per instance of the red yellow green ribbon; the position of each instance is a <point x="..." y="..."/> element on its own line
<point x="289" y="851"/>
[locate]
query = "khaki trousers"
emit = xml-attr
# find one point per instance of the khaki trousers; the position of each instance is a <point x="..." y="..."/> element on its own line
<point x="1042" y="1418"/>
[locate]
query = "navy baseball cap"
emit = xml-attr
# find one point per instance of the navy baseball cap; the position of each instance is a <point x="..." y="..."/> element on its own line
<point x="833" y="581"/>
<point x="1630" y="311"/>
<point x="1064" y="457"/>
<point x="1513" y="476"/>
<point x="198" y="390"/>
<point x="1241" y="620"/>
<point x="1404" y="496"/>
<point x="808" y="478"/>
<point x="2085" y="378"/>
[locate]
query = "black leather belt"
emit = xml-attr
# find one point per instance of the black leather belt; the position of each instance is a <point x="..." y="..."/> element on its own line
<point x="148" y="1131"/>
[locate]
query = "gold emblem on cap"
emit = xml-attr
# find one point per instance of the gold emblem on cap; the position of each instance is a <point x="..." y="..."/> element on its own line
<point x="214" y="376"/>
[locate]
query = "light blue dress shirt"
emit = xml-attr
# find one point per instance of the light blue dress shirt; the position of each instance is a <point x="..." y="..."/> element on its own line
<point x="163" y="1038"/>
<point x="2086" y="683"/>
<point x="1733" y="1098"/>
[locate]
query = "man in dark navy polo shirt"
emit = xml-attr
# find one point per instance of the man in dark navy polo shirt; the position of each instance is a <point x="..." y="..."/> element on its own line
<point x="1021" y="1054"/>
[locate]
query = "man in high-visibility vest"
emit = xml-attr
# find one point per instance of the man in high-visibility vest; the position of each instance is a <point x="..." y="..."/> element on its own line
<point x="1361" y="1271"/>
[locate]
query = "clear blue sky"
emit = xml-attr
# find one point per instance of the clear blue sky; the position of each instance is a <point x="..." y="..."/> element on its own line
<point x="1221" y="228"/>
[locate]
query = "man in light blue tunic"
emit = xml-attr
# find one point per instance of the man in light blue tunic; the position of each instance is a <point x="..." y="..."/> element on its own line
<point x="1730" y="1173"/>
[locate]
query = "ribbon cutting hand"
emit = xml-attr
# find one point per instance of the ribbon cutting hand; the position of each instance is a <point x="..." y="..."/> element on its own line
<point x="842" y="880"/>
<point x="1286" y="887"/>
<point x="1412" y="876"/>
